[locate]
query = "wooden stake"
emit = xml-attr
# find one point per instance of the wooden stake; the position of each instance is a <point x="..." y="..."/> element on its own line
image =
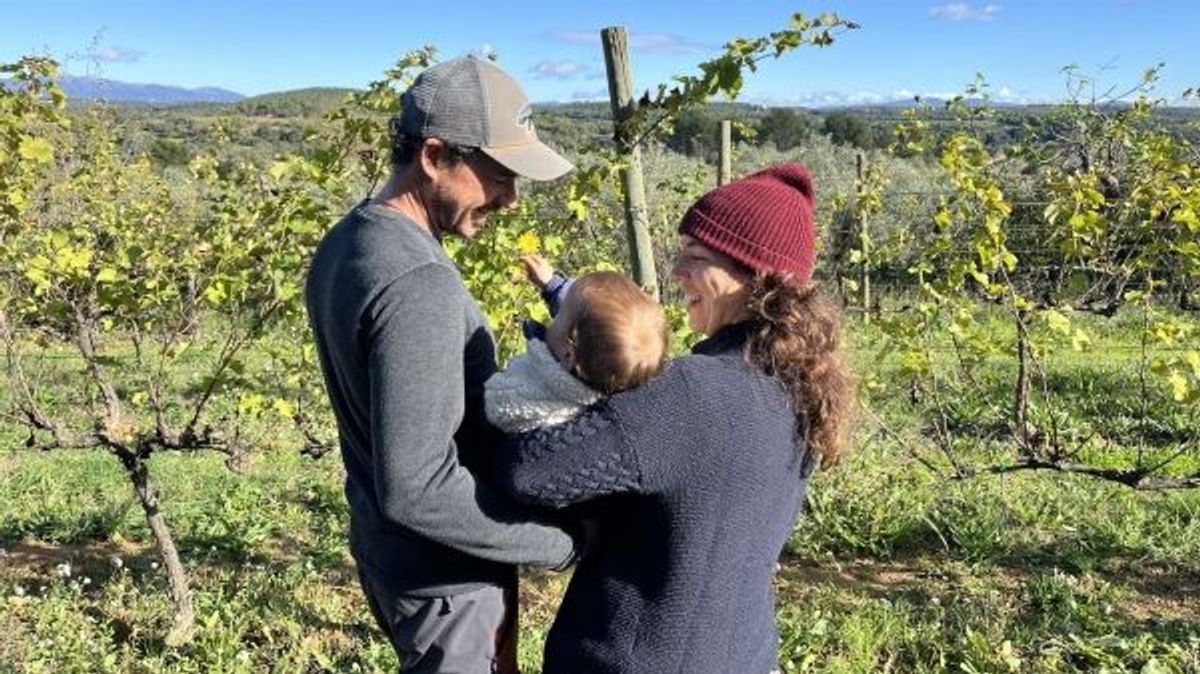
<point x="637" y="218"/>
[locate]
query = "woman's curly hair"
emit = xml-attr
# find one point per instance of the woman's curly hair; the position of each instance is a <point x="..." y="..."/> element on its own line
<point x="796" y="339"/>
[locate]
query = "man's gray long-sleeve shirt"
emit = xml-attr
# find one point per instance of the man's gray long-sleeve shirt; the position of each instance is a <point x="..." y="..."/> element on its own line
<point x="405" y="352"/>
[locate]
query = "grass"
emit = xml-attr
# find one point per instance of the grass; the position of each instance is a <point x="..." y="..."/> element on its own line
<point x="892" y="569"/>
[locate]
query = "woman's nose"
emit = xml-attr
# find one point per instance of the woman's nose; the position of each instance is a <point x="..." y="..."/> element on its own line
<point x="679" y="271"/>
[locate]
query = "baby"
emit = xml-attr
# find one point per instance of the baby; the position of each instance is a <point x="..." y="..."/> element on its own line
<point x="607" y="336"/>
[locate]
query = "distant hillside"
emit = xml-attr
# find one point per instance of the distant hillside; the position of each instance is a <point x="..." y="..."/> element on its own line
<point x="94" y="88"/>
<point x="311" y="102"/>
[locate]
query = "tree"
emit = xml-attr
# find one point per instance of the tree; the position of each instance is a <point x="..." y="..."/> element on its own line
<point x="167" y="152"/>
<point x="847" y="128"/>
<point x="1117" y="201"/>
<point x="149" y="284"/>
<point x="694" y="133"/>
<point x="785" y="127"/>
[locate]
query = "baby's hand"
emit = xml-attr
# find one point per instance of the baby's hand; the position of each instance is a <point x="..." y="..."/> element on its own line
<point x="537" y="269"/>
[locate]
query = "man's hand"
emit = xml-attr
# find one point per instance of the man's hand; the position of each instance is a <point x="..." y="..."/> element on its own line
<point x="537" y="270"/>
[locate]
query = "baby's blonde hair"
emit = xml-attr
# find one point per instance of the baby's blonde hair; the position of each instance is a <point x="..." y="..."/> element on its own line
<point x="620" y="333"/>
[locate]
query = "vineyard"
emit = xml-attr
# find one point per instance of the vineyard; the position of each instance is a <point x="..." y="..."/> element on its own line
<point x="1023" y="314"/>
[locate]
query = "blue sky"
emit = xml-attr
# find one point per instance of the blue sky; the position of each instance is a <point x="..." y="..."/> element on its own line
<point x="903" y="48"/>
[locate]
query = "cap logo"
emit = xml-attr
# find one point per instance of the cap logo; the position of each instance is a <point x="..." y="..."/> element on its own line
<point x="524" y="117"/>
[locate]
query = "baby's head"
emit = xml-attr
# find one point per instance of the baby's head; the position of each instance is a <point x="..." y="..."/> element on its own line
<point x="609" y="333"/>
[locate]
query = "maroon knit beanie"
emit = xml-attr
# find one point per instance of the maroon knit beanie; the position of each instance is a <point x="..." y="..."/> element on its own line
<point x="764" y="221"/>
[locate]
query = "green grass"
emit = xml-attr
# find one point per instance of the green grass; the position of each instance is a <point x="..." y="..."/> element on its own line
<point x="894" y="568"/>
<point x="1068" y="573"/>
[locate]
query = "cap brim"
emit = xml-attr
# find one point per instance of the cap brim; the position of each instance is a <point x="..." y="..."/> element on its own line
<point x="535" y="161"/>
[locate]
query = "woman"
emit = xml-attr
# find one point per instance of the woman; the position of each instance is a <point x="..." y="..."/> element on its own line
<point x="693" y="480"/>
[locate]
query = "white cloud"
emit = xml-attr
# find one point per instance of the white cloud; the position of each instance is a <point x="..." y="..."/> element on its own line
<point x="939" y="95"/>
<point x="590" y="95"/>
<point x="662" y="43"/>
<point x="964" y="11"/>
<point x="564" y="70"/>
<point x="864" y="98"/>
<point x="116" y="54"/>
<point x="834" y="99"/>
<point x="812" y="99"/>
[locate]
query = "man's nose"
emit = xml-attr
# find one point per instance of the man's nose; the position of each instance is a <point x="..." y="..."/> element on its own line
<point x="510" y="194"/>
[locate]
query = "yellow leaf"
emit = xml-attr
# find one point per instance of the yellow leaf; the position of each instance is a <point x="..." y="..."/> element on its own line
<point x="1193" y="359"/>
<point x="1179" y="386"/>
<point x="279" y="169"/>
<point x="36" y="149"/>
<point x="1080" y="341"/>
<point x="285" y="408"/>
<point x="528" y="243"/>
<point x="1057" y="322"/>
<point x="215" y="293"/>
<point x="71" y="259"/>
<point x="250" y="404"/>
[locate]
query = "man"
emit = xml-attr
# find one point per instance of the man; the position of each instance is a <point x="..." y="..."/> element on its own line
<point x="405" y="351"/>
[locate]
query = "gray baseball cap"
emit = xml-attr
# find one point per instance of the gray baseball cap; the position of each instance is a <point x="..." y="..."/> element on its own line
<point x="469" y="101"/>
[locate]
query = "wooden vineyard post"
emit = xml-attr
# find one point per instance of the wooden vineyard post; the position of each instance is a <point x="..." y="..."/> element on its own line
<point x="725" y="169"/>
<point x="864" y="240"/>
<point x="637" y="216"/>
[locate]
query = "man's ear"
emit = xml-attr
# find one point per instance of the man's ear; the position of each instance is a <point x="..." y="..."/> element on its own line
<point x="431" y="157"/>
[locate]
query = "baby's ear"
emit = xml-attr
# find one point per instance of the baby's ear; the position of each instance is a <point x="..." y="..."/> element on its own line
<point x="569" y="362"/>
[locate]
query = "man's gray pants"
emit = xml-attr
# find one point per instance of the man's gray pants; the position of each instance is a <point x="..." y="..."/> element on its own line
<point x="470" y="633"/>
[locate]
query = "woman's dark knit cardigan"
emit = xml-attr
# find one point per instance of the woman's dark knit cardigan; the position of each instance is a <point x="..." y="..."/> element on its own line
<point x="694" y="481"/>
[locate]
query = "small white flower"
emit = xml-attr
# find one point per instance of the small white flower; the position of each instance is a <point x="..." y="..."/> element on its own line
<point x="63" y="570"/>
<point x="19" y="591"/>
<point x="116" y="562"/>
<point x="87" y="581"/>
<point x="154" y="565"/>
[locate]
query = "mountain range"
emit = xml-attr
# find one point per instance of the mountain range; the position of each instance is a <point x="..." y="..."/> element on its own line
<point x="93" y="88"/>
